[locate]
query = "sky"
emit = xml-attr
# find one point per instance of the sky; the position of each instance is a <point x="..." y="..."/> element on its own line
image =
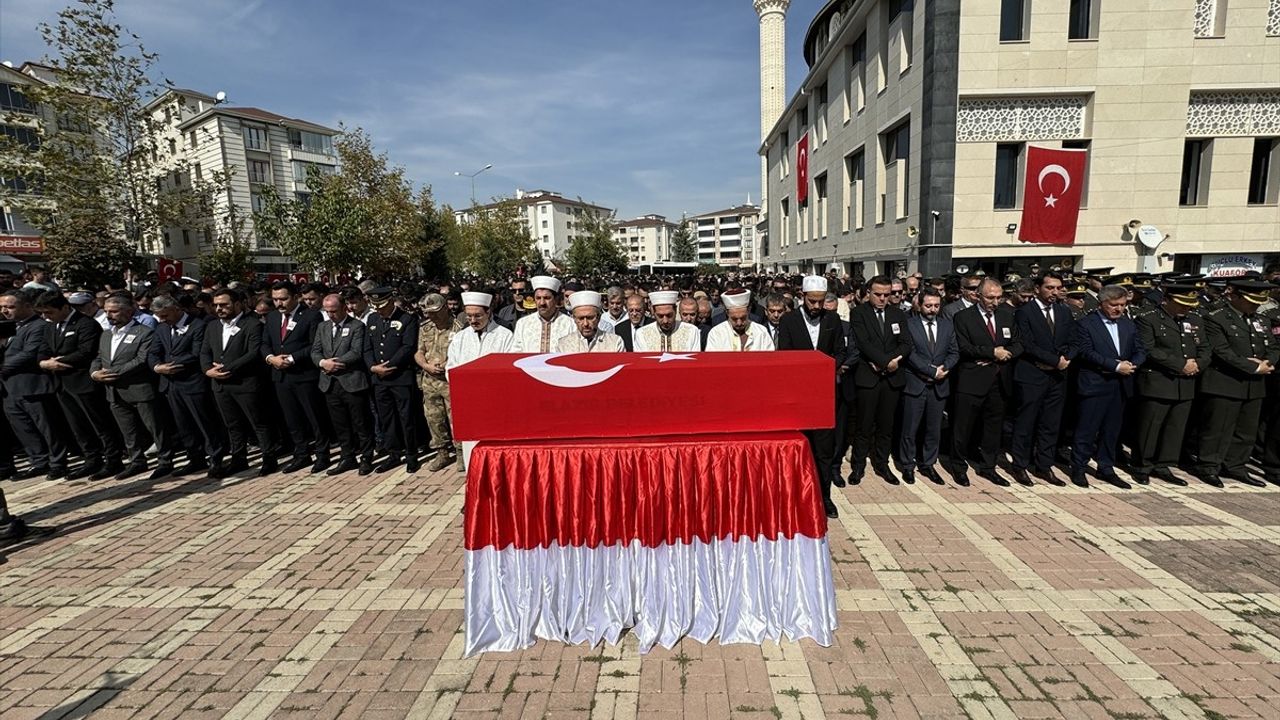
<point x="645" y="107"/>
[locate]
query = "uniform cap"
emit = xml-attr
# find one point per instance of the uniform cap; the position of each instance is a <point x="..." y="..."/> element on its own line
<point x="431" y="302"/>
<point x="1184" y="295"/>
<point x="1255" y="291"/>
<point x="1100" y="273"/>
<point x="379" y="296"/>
<point x="1077" y="289"/>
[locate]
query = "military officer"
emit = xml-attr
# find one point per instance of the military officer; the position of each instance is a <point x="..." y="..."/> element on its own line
<point x="1093" y="278"/>
<point x="1234" y="385"/>
<point x="433" y="347"/>
<point x="393" y="339"/>
<point x="1074" y="294"/>
<point x="587" y="307"/>
<point x="1177" y="355"/>
<point x="1271" y="435"/>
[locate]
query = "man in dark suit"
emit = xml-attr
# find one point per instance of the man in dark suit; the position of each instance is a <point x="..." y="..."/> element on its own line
<point x="1109" y="352"/>
<point x="339" y="351"/>
<point x="813" y="328"/>
<point x="71" y="344"/>
<point x="1047" y="332"/>
<point x="121" y="366"/>
<point x="873" y="379"/>
<point x="1177" y="354"/>
<point x="1234" y="387"/>
<point x="29" y="398"/>
<point x="934" y="354"/>
<point x="231" y="358"/>
<point x="987" y="337"/>
<point x="286" y="346"/>
<point x="968" y="296"/>
<point x="393" y="339"/>
<point x="636" y="319"/>
<point x="175" y="358"/>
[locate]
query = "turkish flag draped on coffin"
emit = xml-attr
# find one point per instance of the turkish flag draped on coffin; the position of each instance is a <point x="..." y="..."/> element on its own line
<point x="168" y="269"/>
<point x="1051" y="195"/>
<point x="802" y="169"/>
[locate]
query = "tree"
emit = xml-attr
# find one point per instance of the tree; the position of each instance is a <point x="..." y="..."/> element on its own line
<point x="365" y="216"/>
<point x="492" y="243"/>
<point x="595" y="252"/>
<point x="229" y="257"/>
<point x="684" y="248"/>
<point x="83" y="169"/>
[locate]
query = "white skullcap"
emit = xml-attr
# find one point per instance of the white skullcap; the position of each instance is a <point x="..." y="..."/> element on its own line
<point x="814" y="283"/>
<point x="664" y="297"/>
<point x="585" y="298"/>
<point x="544" y="282"/>
<point x="477" y="298"/>
<point x="736" y="299"/>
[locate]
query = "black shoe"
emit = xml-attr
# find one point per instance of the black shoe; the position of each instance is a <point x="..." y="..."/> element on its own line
<point x="296" y="464"/>
<point x="929" y="472"/>
<point x="130" y="470"/>
<point x="108" y="470"/>
<point x="346" y="465"/>
<point x="1244" y="477"/>
<point x="960" y="474"/>
<point x="886" y="472"/>
<point x="1021" y="477"/>
<point x="412" y="465"/>
<point x="236" y="466"/>
<point x="1273" y="479"/>
<point x="1209" y="478"/>
<point x="391" y="463"/>
<point x="1140" y="477"/>
<point x="162" y="470"/>
<point x="1112" y="478"/>
<point x="856" y="473"/>
<point x="1167" y="475"/>
<point x="86" y="469"/>
<point x="7" y="472"/>
<point x="218" y="471"/>
<point x="30" y="472"/>
<point x="268" y="466"/>
<point x="830" y="509"/>
<point x="1049" y="477"/>
<point x="1078" y="479"/>
<point x="193" y="467"/>
<point x="366" y="468"/>
<point x="909" y="477"/>
<point x="56" y="473"/>
<point x="12" y="529"/>
<point x="993" y="477"/>
<point x="837" y="480"/>
<point x="322" y="463"/>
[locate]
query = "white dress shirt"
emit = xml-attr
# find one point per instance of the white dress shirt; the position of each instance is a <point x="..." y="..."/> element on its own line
<point x="118" y="334"/>
<point x="227" y="327"/>
<point x="813" y="326"/>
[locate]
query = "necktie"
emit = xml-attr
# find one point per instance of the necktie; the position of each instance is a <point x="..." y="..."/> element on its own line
<point x="880" y="321"/>
<point x="1048" y="315"/>
<point x="335" y="331"/>
<point x="991" y="326"/>
<point x="546" y="337"/>
<point x="284" y="326"/>
<point x="932" y="339"/>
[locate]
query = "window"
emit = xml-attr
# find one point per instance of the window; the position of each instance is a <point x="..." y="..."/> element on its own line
<point x="11" y="98"/>
<point x="544" y="223"/>
<point x="543" y="209"/>
<point x="168" y="116"/>
<point x="177" y="178"/>
<point x="1015" y="20"/>
<point x="1082" y="19"/>
<point x="1197" y="156"/>
<point x="895" y="145"/>
<point x="257" y="202"/>
<point x="855" y="171"/>
<point x="186" y="237"/>
<point x="192" y="140"/>
<point x="259" y="171"/>
<point x="301" y="169"/>
<point x="199" y="172"/>
<point x="786" y="221"/>
<point x="820" y="189"/>
<point x="166" y="239"/>
<point x="1085" y="145"/>
<point x="821" y="96"/>
<point x="1008" y="164"/>
<point x="898" y="32"/>
<point x="73" y="122"/>
<point x="311" y="142"/>
<point x="255" y="138"/>
<point x="858" y="74"/>
<point x="1264" y="185"/>
<point x="24" y="136"/>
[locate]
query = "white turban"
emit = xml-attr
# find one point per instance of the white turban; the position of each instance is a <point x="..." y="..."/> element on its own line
<point x="477" y="298"/>
<point x="814" y="283"/>
<point x="584" y="298"/>
<point x="736" y="299"/>
<point x="664" y="297"/>
<point x="544" y="282"/>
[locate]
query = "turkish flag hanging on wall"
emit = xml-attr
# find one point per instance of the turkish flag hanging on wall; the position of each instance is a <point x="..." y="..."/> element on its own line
<point x="802" y="169"/>
<point x="167" y="269"/>
<point x="1051" y="195"/>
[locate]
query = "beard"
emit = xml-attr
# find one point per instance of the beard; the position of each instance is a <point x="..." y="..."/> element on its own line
<point x="814" y="314"/>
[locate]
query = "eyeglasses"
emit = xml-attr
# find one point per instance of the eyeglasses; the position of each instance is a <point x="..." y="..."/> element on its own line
<point x="971" y="288"/>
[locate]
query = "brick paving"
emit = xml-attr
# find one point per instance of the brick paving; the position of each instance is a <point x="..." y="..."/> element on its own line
<point x="316" y="597"/>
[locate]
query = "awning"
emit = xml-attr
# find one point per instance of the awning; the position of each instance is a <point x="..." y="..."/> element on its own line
<point x="12" y="264"/>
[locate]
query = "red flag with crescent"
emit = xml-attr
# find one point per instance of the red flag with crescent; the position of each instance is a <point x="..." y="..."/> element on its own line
<point x="301" y="278"/>
<point x="168" y="269"/>
<point x="802" y="169"/>
<point x="1051" y="195"/>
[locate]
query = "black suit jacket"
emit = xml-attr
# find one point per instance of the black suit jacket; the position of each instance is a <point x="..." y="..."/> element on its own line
<point x="21" y="367"/>
<point x="181" y="347"/>
<point x="242" y="357"/>
<point x="876" y="346"/>
<point x="1040" y="348"/>
<point x="978" y="370"/>
<point x="75" y="345"/>
<point x="393" y="340"/>
<point x="623" y="330"/>
<point x="297" y="343"/>
<point x="794" y="335"/>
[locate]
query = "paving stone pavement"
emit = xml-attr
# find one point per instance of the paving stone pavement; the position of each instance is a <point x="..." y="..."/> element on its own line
<point x="318" y="597"/>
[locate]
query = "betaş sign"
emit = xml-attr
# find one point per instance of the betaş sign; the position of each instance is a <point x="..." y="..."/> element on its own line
<point x="1219" y="266"/>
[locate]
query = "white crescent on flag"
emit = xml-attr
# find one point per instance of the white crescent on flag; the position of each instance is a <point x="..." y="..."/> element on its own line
<point x="1051" y="200"/>
<point x="536" y="367"/>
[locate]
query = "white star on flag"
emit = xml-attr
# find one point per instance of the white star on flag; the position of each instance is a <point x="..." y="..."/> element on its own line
<point x="668" y="357"/>
<point x="1050" y="201"/>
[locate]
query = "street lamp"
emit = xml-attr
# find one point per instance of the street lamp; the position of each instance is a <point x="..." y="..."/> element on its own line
<point x="473" y="180"/>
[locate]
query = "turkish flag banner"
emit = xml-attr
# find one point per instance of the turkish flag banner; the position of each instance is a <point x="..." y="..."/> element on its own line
<point x="301" y="278"/>
<point x="802" y="169"/>
<point x="276" y="277"/>
<point x="1051" y="195"/>
<point x="168" y="269"/>
<point x="628" y="395"/>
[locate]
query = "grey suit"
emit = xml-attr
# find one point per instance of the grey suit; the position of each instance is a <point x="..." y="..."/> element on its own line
<point x="29" y="399"/>
<point x="135" y="400"/>
<point x="346" y="392"/>
<point x="924" y="397"/>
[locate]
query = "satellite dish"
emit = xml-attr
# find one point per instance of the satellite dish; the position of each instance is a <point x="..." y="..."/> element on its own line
<point x="1150" y="236"/>
<point x="912" y="231"/>
<point x="220" y="96"/>
<point x="962" y="269"/>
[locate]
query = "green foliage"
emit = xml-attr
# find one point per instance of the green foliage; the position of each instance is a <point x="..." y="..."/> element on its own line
<point x="684" y="247"/>
<point x="228" y="260"/>
<point x="87" y="181"/>
<point x="363" y="217"/>
<point x="595" y="252"/>
<point x="493" y="243"/>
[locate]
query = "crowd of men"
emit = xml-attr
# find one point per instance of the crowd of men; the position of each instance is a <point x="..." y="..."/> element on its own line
<point x="948" y="373"/>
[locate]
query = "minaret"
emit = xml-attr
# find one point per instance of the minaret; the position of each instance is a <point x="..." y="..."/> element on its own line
<point x="773" y="77"/>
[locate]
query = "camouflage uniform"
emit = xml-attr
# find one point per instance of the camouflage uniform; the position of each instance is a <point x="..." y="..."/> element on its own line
<point x="433" y="343"/>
